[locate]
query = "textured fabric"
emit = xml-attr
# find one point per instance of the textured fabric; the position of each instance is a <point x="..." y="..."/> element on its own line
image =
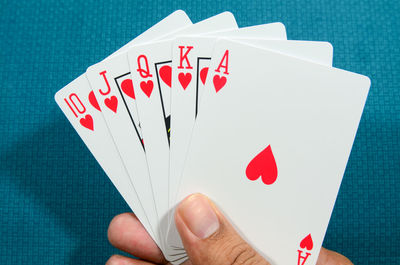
<point x="55" y="201"/>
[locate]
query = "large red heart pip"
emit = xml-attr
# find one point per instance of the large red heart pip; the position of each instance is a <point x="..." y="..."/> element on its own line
<point x="184" y="79"/>
<point x="203" y="75"/>
<point x="219" y="82"/>
<point x="307" y="243"/>
<point x="112" y="103"/>
<point x="147" y="87"/>
<point x="127" y="87"/>
<point x="93" y="101"/>
<point x="166" y="74"/>
<point x="87" y="122"/>
<point x="263" y="165"/>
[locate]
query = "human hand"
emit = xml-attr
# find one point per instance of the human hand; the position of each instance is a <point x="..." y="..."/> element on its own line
<point x="206" y="234"/>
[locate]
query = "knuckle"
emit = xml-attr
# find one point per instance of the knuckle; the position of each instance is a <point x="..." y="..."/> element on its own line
<point x="242" y="253"/>
<point x="232" y="250"/>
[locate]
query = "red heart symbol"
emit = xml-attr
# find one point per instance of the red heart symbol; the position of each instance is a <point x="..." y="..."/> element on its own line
<point x="147" y="87"/>
<point x="203" y="75"/>
<point x="263" y="165"/>
<point x="127" y="87"/>
<point x="219" y="82"/>
<point x="87" y="122"/>
<point x="93" y="101"/>
<point x="166" y="74"/>
<point x="307" y="242"/>
<point x="112" y="103"/>
<point x="185" y="79"/>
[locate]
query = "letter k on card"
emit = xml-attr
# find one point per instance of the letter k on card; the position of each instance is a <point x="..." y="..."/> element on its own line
<point x="184" y="77"/>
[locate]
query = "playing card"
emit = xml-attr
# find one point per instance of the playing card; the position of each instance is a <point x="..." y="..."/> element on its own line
<point x="151" y="73"/>
<point x="273" y="31"/>
<point x="187" y="95"/>
<point x="281" y="131"/>
<point x="83" y="112"/>
<point x="93" y="130"/>
<point x="125" y="136"/>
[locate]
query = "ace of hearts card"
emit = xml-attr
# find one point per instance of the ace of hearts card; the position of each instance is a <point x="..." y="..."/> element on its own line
<point x="281" y="129"/>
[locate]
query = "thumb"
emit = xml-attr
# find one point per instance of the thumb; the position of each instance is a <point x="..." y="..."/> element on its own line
<point x="208" y="237"/>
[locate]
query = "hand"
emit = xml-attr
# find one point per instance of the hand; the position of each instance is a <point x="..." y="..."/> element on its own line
<point x="209" y="239"/>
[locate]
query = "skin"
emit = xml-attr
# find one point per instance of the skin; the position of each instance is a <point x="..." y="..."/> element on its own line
<point x="126" y="233"/>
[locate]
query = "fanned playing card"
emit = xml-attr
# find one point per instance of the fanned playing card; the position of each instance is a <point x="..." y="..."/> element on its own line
<point x="79" y="104"/>
<point x="270" y="146"/>
<point x="191" y="57"/>
<point x="83" y="111"/>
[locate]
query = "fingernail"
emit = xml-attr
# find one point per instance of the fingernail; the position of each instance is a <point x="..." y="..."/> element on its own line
<point x="198" y="215"/>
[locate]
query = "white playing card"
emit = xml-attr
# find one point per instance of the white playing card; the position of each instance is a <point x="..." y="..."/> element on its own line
<point x="83" y="112"/>
<point x="150" y="66"/>
<point x="281" y="131"/>
<point x="186" y="99"/>
<point x="100" y="143"/>
<point x="125" y="136"/>
<point x="275" y="31"/>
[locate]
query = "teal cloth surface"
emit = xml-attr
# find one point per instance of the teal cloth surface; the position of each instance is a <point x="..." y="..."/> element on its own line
<point x="55" y="201"/>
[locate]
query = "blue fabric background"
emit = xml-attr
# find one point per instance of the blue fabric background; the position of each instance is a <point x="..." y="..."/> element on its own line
<point x="55" y="201"/>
